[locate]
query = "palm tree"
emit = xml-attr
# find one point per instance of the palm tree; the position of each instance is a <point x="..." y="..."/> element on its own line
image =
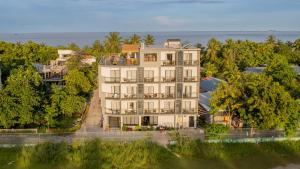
<point x="112" y="43"/>
<point x="213" y="47"/>
<point x="149" y="40"/>
<point x="135" y="39"/>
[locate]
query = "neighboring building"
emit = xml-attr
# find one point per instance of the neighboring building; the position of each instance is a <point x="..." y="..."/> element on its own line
<point x="149" y="86"/>
<point x="207" y="87"/>
<point x="56" y="69"/>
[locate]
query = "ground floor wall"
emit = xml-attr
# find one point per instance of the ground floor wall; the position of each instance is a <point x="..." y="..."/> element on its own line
<point x="177" y="121"/>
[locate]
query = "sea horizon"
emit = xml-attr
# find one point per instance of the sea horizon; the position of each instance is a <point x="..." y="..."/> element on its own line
<point x="87" y="38"/>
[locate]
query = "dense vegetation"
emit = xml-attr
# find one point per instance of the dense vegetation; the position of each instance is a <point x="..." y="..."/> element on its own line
<point x="267" y="100"/>
<point x="97" y="154"/>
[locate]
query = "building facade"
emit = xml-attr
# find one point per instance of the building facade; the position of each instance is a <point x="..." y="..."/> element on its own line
<point x="149" y="86"/>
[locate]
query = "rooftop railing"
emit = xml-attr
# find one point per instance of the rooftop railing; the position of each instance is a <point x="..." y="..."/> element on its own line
<point x="190" y="79"/>
<point x="190" y="62"/>
<point x="120" y="61"/>
<point x="168" y="62"/>
<point x="112" y="79"/>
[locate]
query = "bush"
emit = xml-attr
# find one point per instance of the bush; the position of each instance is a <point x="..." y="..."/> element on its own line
<point x="216" y="131"/>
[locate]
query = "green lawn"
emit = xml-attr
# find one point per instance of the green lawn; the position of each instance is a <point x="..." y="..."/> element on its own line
<point x="143" y="155"/>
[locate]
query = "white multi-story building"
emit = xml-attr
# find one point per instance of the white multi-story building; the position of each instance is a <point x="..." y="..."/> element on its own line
<point x="149" y="86"/>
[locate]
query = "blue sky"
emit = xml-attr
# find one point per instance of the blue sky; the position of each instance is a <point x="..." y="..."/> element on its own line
<point x="148" y="15"/>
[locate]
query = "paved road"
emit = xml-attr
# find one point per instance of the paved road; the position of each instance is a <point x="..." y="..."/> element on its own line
<point x="93" y="118"/>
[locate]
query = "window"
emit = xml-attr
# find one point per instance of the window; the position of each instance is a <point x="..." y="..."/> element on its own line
<point x="149" y="105"/>
<point x="148" y="73"/>
<point x="131" y="120"/>
<point x="169" y="56"/>
<point x="170" y="89"/>
<point x="115" y="89"/>
<point x="188" y="56"/>
<point x="170" y="73"/>
<point x="188" y="91"/>
<point x="149" y="90"/>
<point x="131" y="90"/>
<point x="131" y="74"/>
<point x="114" y="73"/>
<point x="188" y="73"/>
<point x="186" y="105"/>
<point x="150" y="57"/>
<point x="149" y="120"/>
<point x="169" y="105"/>
<point x="131" y="106"/>
<point x="115" y="105"/>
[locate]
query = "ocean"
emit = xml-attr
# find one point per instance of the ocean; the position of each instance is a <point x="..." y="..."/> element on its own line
<point x="87" y="38"/>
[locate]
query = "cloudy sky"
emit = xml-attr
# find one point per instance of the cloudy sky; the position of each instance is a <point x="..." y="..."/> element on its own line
<point x="147" y="15"/>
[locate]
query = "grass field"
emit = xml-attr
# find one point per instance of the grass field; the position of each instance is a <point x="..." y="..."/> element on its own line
<point x="146" y="155"/>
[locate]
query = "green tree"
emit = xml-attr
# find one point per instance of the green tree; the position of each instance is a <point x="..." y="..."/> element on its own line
<point x="20" y="99"/>
<point x="210" y="70"/>
<point x="112" y="43"/>
<point x="77" y="82"/>
<point x="135" y="39"/>
<point x="149" y="40"/>
<point x="73" y="46"/>
<point x="213" y="49"/>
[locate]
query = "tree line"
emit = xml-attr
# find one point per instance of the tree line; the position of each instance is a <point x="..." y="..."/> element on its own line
<point x="267" y="100"/>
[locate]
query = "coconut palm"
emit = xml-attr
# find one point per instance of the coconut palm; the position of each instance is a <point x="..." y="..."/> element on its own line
<point x="149" y="40"/>
<point x="112" y="43"/>
<point x="213" y="48"/>
<point x="135" y="39"/>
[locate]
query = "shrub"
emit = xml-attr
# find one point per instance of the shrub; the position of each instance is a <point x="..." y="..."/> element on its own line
<point x="216" y="131"/>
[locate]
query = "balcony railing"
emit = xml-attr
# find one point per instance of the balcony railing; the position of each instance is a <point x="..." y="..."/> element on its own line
<point x="112" y="95"/>
<point x="168" y="62"/>
<point x="190" y="79"/>
<point x="189" y="110"/>
<point x="168" y="111"/>
<point x="131" y="111"/>
<point x="168" y="79"/>
<point x="129" y="96"/>
<point x="151" y="95"/>
<point x="112" y="79"/>
<point x="120" y="61"/>
<point x="113" y="111"/>
<point x="129" y="80"/>
<point x="151" y="79"/>
<point x="150" y="111"/>
<point x="190" y="62"/>
<point x="168" y="95"/>
<point x="190" y="95"/>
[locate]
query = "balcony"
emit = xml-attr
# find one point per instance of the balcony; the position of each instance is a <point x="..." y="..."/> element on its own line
<point x="112" y="95"/>
<point x="168" y="95"/>
<point x="111" y="79"/>
<point x="168" y="111"/>
<point x="150" y="111"/>
<point x="151" y="79"/>
<point x="168" y="79"/>
<point x="120" y="61"/>
<point x="151" y="95"/>
<point x="129" y="96"/>
<point x="168" y="63"/>
<point x="190" y="63"/>
<point x="190" y="95"/>
<point x="190" y="79"/>
<point x="129" y="80"/>
<point x="113" y="111"/>
<point x="130" y="111"/>
<point x="189" y="111"/>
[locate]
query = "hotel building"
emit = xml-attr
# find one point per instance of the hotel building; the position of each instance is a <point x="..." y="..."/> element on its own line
<point x="149" y="86"/>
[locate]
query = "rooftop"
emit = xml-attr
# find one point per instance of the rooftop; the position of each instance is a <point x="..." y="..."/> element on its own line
<point x="130" y="48"/>
<point x="209" y="84"/>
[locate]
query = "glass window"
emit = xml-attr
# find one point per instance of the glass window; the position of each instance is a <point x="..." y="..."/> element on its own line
<point x="115" y="105"/>
<point x="170" y="73"/>
<point x="188" y="56"/>
<point x="149" y="90"/>
<point x="170" y="56"/>
<point x="149" y="105"/>
<point x="150" y="57"/>
<point x="131" y="89"/>
<point x="130" y="106"/>
<point x="170" y="89"/>
<point x="131" y="74"/>
<point x="188" y="73"/>
<point x="169" y="105"/>
<point x="114" y="73"/>
<point x="115" y="89"/>
<point x="148" y="73"/>
<point x="186" y="105"/>
<point x="131" y="120"/>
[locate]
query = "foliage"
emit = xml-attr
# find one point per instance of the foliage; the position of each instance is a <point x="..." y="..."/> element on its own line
<point x="77" y="82"/>
<point x="216" y="130"/>
<point x="112" y="43"/>
<point x="149" y="40"/>
<point x="135" y="39"/>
